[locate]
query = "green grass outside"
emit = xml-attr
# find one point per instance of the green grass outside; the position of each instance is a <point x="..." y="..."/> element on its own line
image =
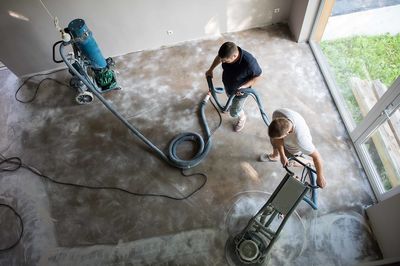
<point x="368" y="58"/>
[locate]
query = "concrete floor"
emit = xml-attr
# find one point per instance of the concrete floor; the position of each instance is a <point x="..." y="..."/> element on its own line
<point x="161" y="90"/>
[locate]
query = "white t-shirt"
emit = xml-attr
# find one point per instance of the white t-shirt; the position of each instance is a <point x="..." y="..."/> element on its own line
<point x="300" y="138"/>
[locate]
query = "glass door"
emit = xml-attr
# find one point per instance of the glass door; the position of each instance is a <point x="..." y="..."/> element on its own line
<point x="377" y="140"/>
<point x="358" y="50"/>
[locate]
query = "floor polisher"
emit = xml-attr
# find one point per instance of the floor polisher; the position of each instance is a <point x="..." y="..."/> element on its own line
<point x="253" y="244"/>
<point x="88" y="60"/>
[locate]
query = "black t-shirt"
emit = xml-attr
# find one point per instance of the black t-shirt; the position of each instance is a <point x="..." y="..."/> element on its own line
<point x="239" y="72"/>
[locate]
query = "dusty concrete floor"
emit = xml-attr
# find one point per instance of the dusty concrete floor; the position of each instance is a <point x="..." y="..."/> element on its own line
<point x="161" y="90"/>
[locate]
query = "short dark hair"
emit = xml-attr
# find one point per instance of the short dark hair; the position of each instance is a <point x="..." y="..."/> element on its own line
<point x="278" y="127"/>
<point x="227" y="50"/>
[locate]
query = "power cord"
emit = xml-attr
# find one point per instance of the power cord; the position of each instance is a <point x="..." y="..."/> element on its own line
<point x="37" y="86"/>
<point x="21" y="225"/>
<point x="12" y="164"/>
<point x="15" y="163"/>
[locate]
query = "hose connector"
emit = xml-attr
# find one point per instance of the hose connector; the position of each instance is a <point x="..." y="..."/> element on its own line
<point x="65" y="36"/>
<point x="207" y="98"/>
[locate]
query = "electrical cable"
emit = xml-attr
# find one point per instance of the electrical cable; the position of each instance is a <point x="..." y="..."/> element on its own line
<point x="15" y="163"/>
<point x="47" y="10"/>
<point x="11" y="164"/>
<point x="171" y="158"/>
<point x="54" y="18"/>
<point x="37" y="86"/>
<point x="11" y="246"/>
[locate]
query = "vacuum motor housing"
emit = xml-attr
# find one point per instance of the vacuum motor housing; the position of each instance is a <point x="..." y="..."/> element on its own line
<point x="85" y="44"/>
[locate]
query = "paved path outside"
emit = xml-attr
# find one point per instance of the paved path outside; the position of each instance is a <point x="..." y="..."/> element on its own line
<point x="343" y="7"/>
<point x="371" y="22"/>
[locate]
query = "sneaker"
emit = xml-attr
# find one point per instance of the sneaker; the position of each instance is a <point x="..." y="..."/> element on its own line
<point x="239" y="125"/>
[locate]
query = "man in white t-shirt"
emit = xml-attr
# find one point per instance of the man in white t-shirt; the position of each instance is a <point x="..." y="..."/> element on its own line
<point x="289" y="131"/>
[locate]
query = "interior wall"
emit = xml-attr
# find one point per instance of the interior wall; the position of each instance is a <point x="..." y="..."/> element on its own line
<point x="384" y="218"/>
<point x="123" y="26"/>
<point x="301" y="18"/>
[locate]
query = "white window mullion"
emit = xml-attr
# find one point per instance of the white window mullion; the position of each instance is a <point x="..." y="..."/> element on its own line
<point x="382" y="110"/>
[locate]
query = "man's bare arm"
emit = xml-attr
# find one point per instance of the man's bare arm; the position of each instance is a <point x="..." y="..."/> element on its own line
<point x="215" y="63"/>
<point x="319" y="168"/>
<point x="250" y="83"/>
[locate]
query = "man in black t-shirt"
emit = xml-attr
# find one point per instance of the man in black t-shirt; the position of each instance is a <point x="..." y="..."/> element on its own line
<point x="240" y="71"/>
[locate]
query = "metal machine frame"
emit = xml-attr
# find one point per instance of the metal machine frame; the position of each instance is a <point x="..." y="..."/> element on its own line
<point x="88" y="61"/>
<point x="253" y="244"/>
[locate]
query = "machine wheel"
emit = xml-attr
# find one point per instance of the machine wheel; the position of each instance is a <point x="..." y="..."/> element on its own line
<point x="75" y="83"/>
<point x="248" y="250"/>
<point x="85" y="97"/>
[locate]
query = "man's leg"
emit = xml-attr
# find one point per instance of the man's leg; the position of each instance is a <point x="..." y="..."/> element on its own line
<point x="236" y="110"/>
<point x="276" y="145"/>
<point x="274" y="156"/>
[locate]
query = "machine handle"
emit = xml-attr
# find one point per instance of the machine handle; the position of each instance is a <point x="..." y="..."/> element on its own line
<point x="303" y="164"/>
<point x="210" y="83"/>
<point x="287" y="170"/>
<point x="54" y="52"/>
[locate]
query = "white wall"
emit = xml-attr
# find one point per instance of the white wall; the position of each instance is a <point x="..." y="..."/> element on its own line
<point x="301" y="19"/>
<point x="384" y="218"/>
<point x="123" y="26"/>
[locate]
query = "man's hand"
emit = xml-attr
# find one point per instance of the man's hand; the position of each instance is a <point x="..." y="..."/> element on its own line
<point x="284" y="160"/>
<point x="209" y="73"/>
<point x="239" y="92"/>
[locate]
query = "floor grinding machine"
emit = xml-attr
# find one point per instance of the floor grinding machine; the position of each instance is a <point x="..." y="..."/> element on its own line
<point x="93" y="75"/>
<point x="88" y="60"/>
<point x="253" y="244"/>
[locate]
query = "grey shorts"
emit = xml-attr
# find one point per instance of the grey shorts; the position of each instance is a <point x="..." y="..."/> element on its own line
<point x="237" y="105"/>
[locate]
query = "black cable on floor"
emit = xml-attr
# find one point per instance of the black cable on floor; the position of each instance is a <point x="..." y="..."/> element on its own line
<point x="37" y="86"/>
<point x="15" y="163"/>
<point x="21" y="224"/>
<point x="11" y="164"/>
<point x="18" y="164"/>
